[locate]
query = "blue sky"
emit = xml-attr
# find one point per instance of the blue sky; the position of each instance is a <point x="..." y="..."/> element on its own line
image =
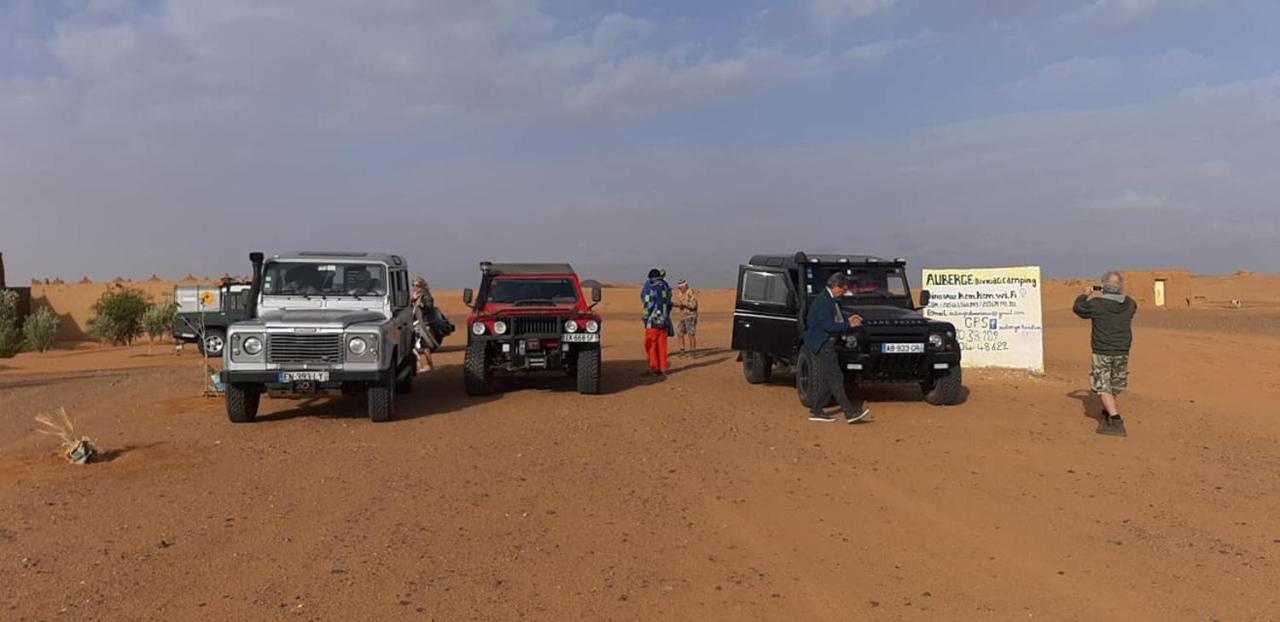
<point x="173" y="136"/>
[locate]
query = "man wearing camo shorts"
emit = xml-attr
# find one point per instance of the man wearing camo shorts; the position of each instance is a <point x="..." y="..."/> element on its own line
<point x="1111" y="313"/>
<point x="686" y="304"/>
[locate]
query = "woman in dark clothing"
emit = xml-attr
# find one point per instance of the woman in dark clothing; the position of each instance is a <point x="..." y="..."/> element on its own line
<point x="424" y="307"/>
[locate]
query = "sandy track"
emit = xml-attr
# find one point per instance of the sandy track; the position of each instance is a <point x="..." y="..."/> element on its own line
<point x="695" y="498"/>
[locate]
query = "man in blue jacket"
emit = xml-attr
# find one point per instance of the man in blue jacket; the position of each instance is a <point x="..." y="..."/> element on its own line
<point x="825" y="323"/>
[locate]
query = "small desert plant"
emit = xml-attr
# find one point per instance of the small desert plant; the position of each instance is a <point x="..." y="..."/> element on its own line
<point x="40" y="330"/>
<point x="10" y="336"/>
<point x="103" y="329"/>
<point x="118" y="316"/>
<point x="158" y="321"/>
<point x="75" y="450"/>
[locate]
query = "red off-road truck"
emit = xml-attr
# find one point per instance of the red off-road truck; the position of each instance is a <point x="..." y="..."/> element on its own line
<point x="531" y="317"/>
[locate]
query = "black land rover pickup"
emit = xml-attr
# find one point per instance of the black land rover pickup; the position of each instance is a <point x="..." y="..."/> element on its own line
<point x="895" y="343"/>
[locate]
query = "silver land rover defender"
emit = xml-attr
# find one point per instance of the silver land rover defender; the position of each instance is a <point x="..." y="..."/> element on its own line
<point x="322" y="323"/>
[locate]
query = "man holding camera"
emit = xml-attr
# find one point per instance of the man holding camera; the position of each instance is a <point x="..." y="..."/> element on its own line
<point x="825" y="323"/>
<point x="1111" y="313"/>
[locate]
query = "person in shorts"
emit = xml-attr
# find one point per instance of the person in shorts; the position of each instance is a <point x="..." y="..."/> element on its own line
<point x="1111" y="313"/>
<point x="686" y="304"/>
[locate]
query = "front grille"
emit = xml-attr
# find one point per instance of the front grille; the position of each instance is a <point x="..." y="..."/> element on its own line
<point x="304" y="348"/>
<point x="521" y="326"/>
<point x="899" y="365"/>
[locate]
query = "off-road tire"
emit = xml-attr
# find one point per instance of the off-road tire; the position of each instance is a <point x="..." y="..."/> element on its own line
<point x="213" y="342"/>
<point x="589" y="371"/>
<point x="807" y="380"/>
<point x="757" y="367"/>
<point x="242" y="402"/>
<point x="477" y="376"/>
<point x="945" y="389"/>
<point x="381" y="400"/>
<point x="405" y="386"/>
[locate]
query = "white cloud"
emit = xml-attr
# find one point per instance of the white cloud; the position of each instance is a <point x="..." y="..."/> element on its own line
<point x="1014" y="188"/>
<point x="641" y="82"/>
<point x="1132" y="200"/>
<point x="1108" y="77"/>
<point x="1121" y="12"/>
<point x="828" y="15"/>
<point x="207" y="115"/>
<point x="392" y="62"/>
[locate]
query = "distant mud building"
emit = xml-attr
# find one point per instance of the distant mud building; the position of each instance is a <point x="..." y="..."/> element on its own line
<point x="1159" y="288"/>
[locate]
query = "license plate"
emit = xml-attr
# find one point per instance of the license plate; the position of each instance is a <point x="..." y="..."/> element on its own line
<point x="902" y="348"/>
<point x="287" y="377"/>
<point x="581" y="338"/>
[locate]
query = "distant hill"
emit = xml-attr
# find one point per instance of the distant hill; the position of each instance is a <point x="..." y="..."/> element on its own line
<point x="589" y="283"/>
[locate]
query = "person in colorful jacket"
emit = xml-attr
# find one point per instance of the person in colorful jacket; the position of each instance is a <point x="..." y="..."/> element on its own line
<point x="656" y="300"/>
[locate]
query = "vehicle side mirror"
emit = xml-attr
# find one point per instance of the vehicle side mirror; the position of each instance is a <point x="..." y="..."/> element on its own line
<point x="467" y="296"/>
<point x="924" y="298"/>
<point x="596" y="296"/>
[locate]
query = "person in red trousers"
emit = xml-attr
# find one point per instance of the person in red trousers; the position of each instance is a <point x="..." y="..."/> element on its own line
<point x="656" y="297"/>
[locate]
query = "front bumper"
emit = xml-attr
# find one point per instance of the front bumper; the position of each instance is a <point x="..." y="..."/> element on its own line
<point x="337" y="377"/>
<point x="880" y="367"/>
<point x="532" y="352"/>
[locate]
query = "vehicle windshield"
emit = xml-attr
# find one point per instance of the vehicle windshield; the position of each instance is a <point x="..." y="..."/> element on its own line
<point x="864" y="282"/>
<point x="324" y="279"/>
<point x="532" y="291"/>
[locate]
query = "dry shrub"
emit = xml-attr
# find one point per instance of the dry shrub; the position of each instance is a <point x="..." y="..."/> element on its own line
<point x="10" y="334"/>
<point x="75" y="450"/>
<point x="40" y="330"/>
<point x="118" y="316"/>
<point x="158" y="321"/>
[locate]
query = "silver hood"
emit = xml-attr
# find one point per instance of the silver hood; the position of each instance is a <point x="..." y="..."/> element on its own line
<point x="320" y="317"/>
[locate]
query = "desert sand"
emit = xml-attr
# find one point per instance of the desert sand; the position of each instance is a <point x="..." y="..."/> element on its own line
<point x="694" y="498"/>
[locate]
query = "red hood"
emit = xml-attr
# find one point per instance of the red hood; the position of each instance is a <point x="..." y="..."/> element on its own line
<point x="494" y="308"/>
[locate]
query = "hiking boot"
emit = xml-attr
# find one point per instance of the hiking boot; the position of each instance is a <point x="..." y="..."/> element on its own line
<point x="1117" y="424"/>
<point x="1112" y="426"/>
<point x="821" y="417"/>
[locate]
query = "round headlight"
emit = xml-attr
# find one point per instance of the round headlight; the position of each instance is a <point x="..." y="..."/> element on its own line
<point x="252" y="346"/>
<point x="936" y="341"/>
<point x="593" y="326"/>
<point x="499" y="328"/>
<point x="358" y="346"/>
<point x="477" y="328"/>
<point x="571" y="326"/>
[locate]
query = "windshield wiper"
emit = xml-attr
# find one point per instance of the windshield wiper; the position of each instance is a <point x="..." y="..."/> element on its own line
<point x="534" y="301"/>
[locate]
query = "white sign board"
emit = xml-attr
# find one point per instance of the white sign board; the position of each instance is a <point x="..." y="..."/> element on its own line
<point x="996" y="312"/>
